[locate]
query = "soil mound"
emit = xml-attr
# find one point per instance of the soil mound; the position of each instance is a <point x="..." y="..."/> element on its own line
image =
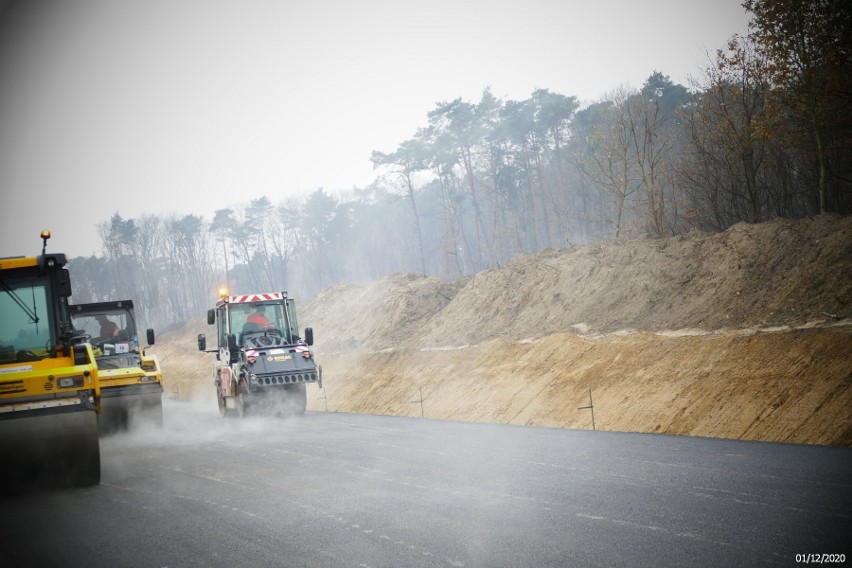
<point x="740" y="334"/>
<point x="781" y="273"/>
<point x="380" y="315"/>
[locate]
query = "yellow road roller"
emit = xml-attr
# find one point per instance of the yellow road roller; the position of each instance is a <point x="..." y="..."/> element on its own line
<point x="49" y="389"/>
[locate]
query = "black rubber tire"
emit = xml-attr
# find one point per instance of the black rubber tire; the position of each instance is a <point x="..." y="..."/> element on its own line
<point x="223" y="408"/>
<point x="241" y="410"/>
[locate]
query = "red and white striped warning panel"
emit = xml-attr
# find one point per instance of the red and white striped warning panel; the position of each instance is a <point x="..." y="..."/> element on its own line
<point x="255" y="298"/>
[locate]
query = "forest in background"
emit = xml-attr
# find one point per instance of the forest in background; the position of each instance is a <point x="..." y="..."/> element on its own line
<point x="764" y="131"/>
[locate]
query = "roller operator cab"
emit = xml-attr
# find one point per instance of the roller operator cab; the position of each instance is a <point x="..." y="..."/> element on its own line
<point x="262" y="363"/>
<point x="49" y="388"/>
<point x="131" y="380"/>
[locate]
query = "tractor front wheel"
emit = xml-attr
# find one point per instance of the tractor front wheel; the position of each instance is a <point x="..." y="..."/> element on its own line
<point x="240" y="401"/>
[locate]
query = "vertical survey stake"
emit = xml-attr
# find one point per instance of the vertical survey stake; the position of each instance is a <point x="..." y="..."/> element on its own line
<point x="324" y="398"/>
<point x="420" y="400"/>
<point x="590" y="407"/>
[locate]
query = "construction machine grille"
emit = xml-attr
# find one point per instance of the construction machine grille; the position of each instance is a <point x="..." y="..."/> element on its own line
<point x="288" y="379"/>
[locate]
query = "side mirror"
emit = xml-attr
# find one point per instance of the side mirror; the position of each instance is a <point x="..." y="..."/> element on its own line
<point x="150" y="336"/>
<point x="63" y="282"/>
<point x="202" y="342"/>
<point x="233" y="349"/>
<point x="211" y="317"/>
<point x="309" y="335"/>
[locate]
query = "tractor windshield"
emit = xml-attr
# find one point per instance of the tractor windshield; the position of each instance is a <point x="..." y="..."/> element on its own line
<point x="259" y="318"/>
<point x="26" y="326"/>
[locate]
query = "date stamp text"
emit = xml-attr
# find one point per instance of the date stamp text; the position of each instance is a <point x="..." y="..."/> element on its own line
<point x="813" y="558"/>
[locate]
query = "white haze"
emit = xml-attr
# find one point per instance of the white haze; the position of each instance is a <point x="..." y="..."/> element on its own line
<point x="197" y="421"/>
<point x="186" y="107"/>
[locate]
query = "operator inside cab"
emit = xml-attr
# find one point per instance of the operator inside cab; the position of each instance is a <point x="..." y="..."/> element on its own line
<point x="259" y="317"/>
<point x="108" y="327"/>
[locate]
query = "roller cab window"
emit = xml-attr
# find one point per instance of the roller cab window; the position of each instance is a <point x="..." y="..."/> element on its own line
<point x="26" y="327"/>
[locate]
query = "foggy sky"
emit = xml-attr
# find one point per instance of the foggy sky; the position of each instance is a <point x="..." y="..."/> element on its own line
<point x="170" y="106"/>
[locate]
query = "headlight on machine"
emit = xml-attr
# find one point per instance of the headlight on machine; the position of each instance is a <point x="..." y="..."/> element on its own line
<point x="68" y="382"/>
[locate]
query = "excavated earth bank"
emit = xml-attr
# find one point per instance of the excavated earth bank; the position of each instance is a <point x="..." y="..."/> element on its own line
<point x="742" y="334"/>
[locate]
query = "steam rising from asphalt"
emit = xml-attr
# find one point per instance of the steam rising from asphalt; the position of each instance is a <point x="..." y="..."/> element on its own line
<point x="191" y="427"/>
<point x="197" y="421"/>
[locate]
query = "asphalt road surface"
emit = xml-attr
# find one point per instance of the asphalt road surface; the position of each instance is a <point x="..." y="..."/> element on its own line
<point x="356" y="490"/>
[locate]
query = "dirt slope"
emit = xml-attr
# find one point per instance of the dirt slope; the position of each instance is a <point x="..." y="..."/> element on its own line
<point x="743" y="334"/>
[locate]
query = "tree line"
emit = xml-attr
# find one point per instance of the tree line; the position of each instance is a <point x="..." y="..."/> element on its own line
<point x="765" y="130"/>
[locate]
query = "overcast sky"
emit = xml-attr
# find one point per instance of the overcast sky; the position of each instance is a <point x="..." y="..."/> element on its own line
<point x="188" y="106"/>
